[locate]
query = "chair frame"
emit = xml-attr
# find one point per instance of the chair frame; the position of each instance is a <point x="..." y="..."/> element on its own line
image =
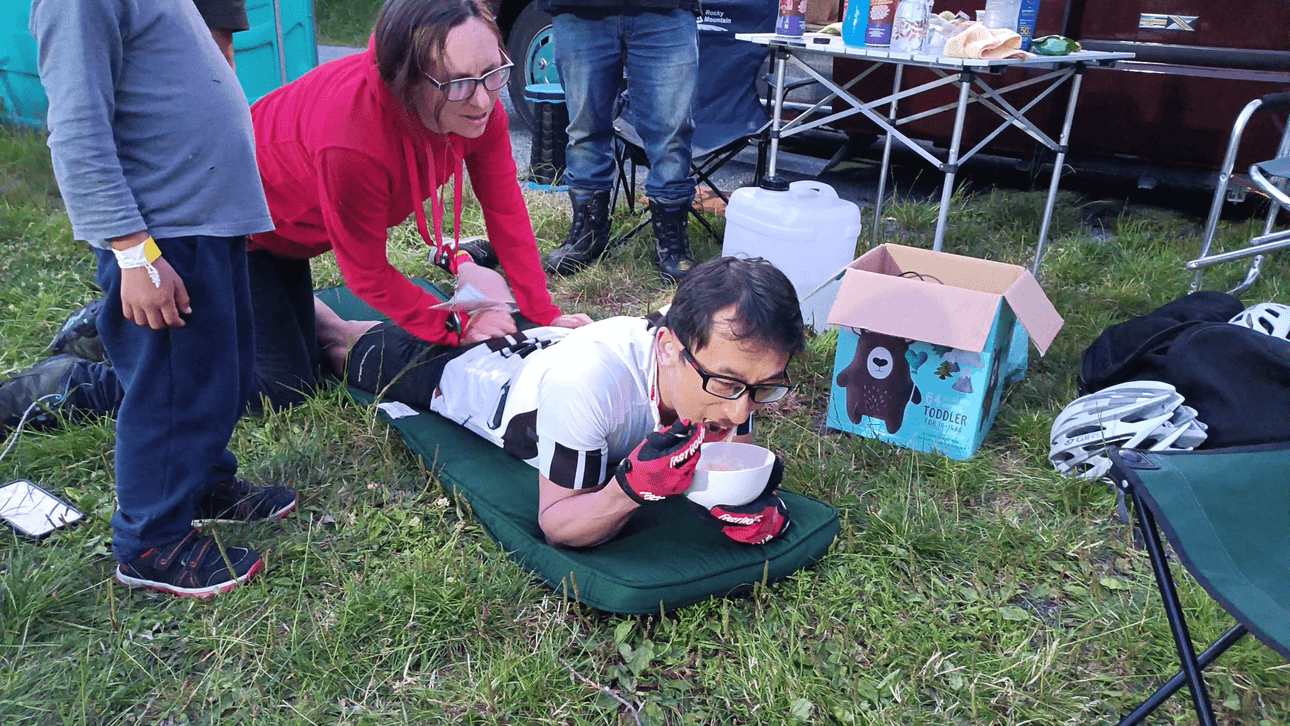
<point x="626" y="153"/>
<point x="1275" y="188"/>
<point x="1193" y="665"/>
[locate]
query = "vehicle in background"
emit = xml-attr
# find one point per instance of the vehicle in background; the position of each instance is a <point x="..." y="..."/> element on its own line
<point x="527" y="31"/>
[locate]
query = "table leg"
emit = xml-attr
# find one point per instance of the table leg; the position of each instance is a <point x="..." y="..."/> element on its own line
<point x="777" y="119"/>
<point x="1062" y="142"/>
<point x="952" y="164"/>
<point x="886" y="155"/>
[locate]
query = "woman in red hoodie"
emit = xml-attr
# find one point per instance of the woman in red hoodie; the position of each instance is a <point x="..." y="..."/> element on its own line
<point x="356" y="146"/>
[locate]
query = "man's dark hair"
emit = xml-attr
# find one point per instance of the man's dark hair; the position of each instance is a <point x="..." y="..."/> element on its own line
<point x="766" y="306"/>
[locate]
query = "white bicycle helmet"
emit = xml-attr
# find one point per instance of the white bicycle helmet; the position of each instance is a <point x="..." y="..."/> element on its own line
<point x="1270" y="318"/>
<point x="1145" y="415"/>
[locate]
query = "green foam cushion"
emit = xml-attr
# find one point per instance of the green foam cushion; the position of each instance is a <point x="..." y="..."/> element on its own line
<point x="1225" y="512"/>
<point x="665" y="558"/>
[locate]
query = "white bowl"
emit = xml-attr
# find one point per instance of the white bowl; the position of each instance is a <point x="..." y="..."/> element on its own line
<point x="730" y="473"/>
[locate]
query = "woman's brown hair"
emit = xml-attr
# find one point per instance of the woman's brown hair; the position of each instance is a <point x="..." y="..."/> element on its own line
<point x="410" y="36"/>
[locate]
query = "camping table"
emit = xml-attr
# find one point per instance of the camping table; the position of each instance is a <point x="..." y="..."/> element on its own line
<point x="964" y="72"/>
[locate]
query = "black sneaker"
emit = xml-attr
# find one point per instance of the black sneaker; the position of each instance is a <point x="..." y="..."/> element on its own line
<point x="479" y="248"/>
<point x="480" y="251"/>
<point x="79" y="335"/>
<point x="191" y="567"/>
<point x="234" y="501"/>
<point x="46" y="385"/>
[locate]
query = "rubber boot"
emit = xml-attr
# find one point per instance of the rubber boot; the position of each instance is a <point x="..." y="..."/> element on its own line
<point x="672" y="240"/>
<point x="588" y="235"/>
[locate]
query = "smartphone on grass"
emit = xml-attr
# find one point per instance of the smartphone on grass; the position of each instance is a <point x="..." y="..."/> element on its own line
<point x="34" y="512"/>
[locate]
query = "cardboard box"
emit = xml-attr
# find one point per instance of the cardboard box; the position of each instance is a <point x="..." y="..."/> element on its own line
<point x="924" y="345"/>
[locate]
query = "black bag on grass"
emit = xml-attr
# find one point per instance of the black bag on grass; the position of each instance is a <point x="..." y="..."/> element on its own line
<point x="1135" y="349"/>
<point x="1237" y="379"/>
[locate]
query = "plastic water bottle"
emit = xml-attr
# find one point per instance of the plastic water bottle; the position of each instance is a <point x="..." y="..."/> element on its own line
<point x="855" y="22"/>
<point x="1001" y="14"/>
<point x="909" y="28"/>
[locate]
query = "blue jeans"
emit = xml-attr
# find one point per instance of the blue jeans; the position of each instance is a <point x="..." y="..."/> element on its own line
<point x="185" y="389"/>
<point x="661" y="51"/>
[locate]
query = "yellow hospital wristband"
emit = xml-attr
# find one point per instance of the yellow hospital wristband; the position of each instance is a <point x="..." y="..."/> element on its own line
<point x="150" y="250"/>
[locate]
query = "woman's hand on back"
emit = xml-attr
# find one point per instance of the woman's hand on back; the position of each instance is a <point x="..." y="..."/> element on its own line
<point x="572" y="320"/>
<point x="488" y="324"/>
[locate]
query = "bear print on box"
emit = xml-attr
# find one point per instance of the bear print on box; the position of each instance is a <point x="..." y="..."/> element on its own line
<point x="877" y="382"/>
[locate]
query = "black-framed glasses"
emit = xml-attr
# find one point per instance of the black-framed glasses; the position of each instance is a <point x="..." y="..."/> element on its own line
<point x="732" y="388"/>
<point x="463" y="88"/>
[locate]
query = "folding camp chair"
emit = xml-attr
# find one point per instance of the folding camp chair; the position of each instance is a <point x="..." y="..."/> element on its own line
<point x="1270" y="178"/>
<point x="1226" y="513"/>
<point x="728" y="113"/>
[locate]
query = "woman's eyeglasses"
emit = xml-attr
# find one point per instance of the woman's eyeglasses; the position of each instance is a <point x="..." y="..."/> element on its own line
<point x="463" y="88"/>
<point x="732" y="388"/>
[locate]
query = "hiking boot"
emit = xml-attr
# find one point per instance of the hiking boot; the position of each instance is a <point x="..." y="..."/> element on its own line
<point x="191" y="567"/>
<point x="479" y="248"/>
<point x="233" y="501"/>
<point x="588" y="235"/>
<point x="79" y="334"/>
<point x="46" y="384"/>
<point x="671" y="240"/>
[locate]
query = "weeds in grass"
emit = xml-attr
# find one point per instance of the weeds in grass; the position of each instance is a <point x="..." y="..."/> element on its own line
<point x="988" y="591"/>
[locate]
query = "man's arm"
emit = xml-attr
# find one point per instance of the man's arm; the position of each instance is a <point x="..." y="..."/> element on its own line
<point x="80" y="48"/>
<point x="661" y="466"/>
<point x="581" y="517"/>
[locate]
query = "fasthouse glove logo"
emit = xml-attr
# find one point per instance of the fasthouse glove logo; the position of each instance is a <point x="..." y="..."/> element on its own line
<point x="732" y="519"/>
<point x="684" y="455"/>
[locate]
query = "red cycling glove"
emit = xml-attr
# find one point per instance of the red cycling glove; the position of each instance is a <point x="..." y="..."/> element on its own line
<point x="757" y="522"/>
<point x="663" y="465"/>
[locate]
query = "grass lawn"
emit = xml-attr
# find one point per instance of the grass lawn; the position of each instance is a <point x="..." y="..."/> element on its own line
<point x="345" y="22"/>
<point x="989" y="591"/>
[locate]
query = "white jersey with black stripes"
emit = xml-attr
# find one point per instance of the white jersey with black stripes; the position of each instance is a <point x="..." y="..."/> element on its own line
<point x="572" y="410"/>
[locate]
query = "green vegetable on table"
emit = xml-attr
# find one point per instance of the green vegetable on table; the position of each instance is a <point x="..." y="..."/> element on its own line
<point x="1054" y="45"/>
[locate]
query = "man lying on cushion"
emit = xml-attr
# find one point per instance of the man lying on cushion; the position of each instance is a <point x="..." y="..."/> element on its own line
<point x="611" y="414"/>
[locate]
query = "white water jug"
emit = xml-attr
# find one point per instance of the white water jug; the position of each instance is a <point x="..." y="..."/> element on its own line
<point x="802" y="228"/>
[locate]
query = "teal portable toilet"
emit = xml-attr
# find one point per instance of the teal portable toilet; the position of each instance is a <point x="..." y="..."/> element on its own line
<point x="22" y="98"/>
<point x="279" y="48"/>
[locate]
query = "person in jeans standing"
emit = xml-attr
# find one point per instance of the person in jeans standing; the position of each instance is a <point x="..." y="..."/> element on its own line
<point x="224" y="18"/>
<point x="657" y="40"/>
<point x="152" y="147"/>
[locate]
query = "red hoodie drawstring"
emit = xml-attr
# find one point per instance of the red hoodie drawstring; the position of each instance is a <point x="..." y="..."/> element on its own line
<point x="436" y="204"/>
<point x="456" y="321"/>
